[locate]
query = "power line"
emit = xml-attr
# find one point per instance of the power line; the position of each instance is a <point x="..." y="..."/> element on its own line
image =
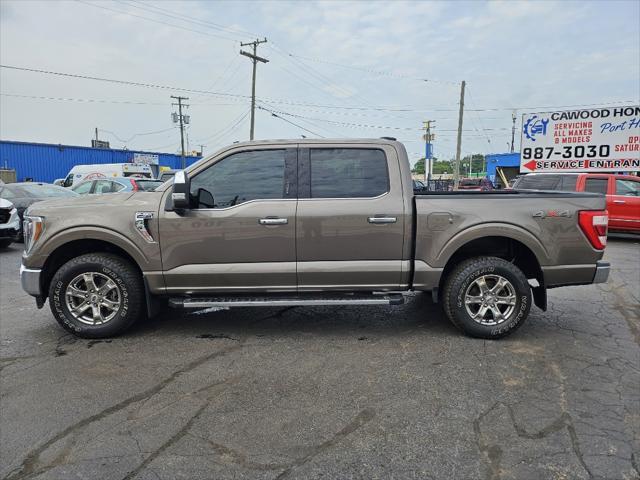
<point x="244" y="33"/>
<point x="363" y="125"/>
<point x="157" y="21"/>
<point x="97" y="100"/>
<point x="197" y="21"/>
<point x="372" y="71"/>
<point x="304" y="104"/>
<point x="233" y="123"/>
<point x="273" y="114"/>
<point x="314" y="125"/>
<point x="135" y="135"/>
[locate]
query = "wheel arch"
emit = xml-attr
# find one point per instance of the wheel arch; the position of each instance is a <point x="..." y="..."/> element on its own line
<point x="65" y="251"/>
<point x="519" y="250"/>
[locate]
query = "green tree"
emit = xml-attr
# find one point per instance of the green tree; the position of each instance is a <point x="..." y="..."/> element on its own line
<point x="477" y="165"/>
<point x="439" y="167"/>
<point x="418" y="167"/>
<point x="442" y="166"/>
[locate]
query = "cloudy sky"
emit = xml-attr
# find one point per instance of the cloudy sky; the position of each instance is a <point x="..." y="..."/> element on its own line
<point x="336" y="69"/>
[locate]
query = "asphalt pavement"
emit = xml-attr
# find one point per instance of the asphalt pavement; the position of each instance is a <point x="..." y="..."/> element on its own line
<point x="327" y="392"/>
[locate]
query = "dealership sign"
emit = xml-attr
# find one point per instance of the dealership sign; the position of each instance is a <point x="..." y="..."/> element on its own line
<point x="146" y="158"/>
<point x="596" y="140"/>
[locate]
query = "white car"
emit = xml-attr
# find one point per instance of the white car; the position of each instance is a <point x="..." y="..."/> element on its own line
<point x="105" y="171"/>
<point x="9" y="223"/>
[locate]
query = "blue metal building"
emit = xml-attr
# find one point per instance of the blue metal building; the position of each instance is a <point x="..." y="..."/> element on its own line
<point x="509" y="163"/>
<point x="45" y="162"/>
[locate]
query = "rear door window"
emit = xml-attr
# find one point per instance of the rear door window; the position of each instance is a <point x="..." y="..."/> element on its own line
<point x="629" y="188"/>
<point x="103" y="186"/>
<point x="539" y="182"/>
<point x="568" y="183"/>
<point x="83" y="188"/>
<point x="596" y="185"/>
<point x="117" y="186"/>
<point x="348" y="173"/>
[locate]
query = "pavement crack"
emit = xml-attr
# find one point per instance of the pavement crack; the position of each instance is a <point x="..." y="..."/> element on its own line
<point x="31" y="464"/>
<point x="492" y="453"/>
<point x="171" y="441"/>
<point x="364" y="417"/>
<point x="239" y="458"/>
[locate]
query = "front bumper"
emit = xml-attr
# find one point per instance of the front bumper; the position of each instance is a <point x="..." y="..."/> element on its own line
<point x="602" y="272"/>
<point x="30" y="280"/>
<point x="11" y="229"/>
<point x="9" y="233"/>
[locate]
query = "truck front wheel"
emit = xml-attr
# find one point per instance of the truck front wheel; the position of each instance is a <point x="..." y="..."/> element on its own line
<point x="96" y="295"/>
<point x="487" y="297"/>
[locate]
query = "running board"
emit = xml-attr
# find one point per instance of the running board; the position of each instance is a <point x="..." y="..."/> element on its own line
<point x="203" y="302"/>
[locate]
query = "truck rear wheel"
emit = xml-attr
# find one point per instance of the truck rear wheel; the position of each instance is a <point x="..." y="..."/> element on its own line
<point x="96" y="295"/>
<point x="487" y="297"/>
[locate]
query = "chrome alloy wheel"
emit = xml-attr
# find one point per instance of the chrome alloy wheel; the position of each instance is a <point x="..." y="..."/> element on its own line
<point x="490" y="299"/>
<point x="93" y="298"/>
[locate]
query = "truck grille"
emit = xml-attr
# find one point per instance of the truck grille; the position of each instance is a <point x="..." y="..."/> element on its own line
<point x="5" y="214"/>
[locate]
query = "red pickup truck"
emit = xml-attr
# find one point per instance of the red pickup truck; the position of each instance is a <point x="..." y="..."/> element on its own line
<point x="622" y="192"/>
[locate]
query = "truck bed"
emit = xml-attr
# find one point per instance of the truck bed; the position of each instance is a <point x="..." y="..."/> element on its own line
<point x="544" y="223"/>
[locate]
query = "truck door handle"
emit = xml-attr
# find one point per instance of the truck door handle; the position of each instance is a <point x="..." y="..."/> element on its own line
<point x="273" y="221"/>
<point x="619" y="202"/>
<point x="382" y="219"/>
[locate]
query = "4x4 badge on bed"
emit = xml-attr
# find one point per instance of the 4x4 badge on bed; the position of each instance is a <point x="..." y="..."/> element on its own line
<point x="552" y="214"/>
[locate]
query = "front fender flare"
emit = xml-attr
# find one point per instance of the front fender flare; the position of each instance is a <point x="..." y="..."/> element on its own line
<point x="96" y="233"/>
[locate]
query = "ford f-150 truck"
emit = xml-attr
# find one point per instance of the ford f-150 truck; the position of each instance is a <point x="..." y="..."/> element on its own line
<point x="308" y="222"/>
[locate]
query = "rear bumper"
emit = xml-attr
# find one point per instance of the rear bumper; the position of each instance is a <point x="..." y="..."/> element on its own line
<point x="564" y="275"/>
<point x="602" y="272"/>
<point x="30" y="280"/>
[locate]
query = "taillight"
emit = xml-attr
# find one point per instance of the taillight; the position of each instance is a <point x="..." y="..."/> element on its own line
<point x="134" y="184"/>
<point x="594" y="225"/>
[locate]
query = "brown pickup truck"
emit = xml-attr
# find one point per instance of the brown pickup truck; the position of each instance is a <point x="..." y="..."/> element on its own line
<point x="308" y="222"/>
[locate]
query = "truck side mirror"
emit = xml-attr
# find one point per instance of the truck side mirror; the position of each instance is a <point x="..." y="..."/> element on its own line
<point x="181" y="195"/>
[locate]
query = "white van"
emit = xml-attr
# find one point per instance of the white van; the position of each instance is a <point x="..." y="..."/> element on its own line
<point x="106" y="170"/>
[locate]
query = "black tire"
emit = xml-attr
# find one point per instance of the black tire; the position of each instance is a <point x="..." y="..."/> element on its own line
<point x="4" y="243"/>
<point x="461" y="280"/>
<point x="130" y="292"/>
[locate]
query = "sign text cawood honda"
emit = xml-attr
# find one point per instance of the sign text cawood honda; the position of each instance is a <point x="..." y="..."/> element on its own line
<point x="596" y="140"/>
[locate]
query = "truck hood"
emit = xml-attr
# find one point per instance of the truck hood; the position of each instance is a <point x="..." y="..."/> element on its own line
<point x="99" y="203"/>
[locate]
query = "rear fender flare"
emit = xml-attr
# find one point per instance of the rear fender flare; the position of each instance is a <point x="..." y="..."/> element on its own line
<point x="493" y="230"/>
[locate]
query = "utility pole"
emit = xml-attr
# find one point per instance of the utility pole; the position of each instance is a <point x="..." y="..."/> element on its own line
<point x="513" y="129"/>
<point x="255" y="59"/>
<point x="456" y="172"/>
<point x="182" y="119"/>
<point x="202" y="149"/>
<point x="428" y="150"/>
<point x="96" y="134"/>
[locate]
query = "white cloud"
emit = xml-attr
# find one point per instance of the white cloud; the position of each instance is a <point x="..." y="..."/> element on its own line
<point x="511" y="54"/>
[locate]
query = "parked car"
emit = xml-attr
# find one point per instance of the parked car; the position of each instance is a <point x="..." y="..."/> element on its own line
<point x="9" y="223"/>
<point x="24" y="194"/>
<point x="418" y="186"/>
<point x="329" y="223"/>
<point x="470" y="184"/>
<point x="115" y="185"/>
<point x="106" y="171"/>
<point x="622" y="193"/>
<point x="166" y="175"/>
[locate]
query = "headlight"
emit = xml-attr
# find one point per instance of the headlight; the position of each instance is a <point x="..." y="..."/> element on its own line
<point x="32" y="228"/>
